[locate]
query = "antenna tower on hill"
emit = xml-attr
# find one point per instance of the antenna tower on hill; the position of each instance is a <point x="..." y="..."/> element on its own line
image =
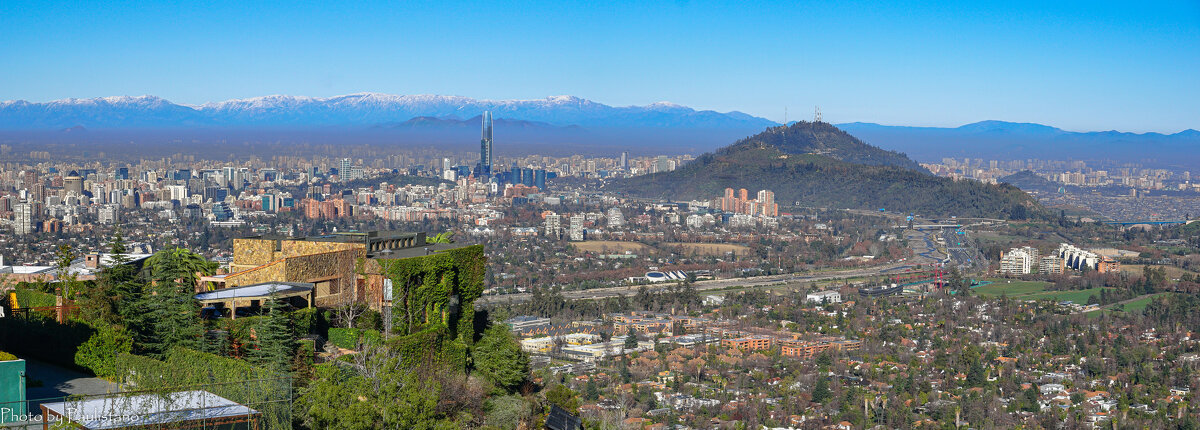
<point x="817" y="115"/>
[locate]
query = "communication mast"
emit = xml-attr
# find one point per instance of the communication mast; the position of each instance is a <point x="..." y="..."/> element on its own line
<point x="817" y="115"/>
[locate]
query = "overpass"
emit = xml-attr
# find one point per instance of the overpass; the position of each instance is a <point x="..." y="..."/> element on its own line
<point x="920" y="226"/>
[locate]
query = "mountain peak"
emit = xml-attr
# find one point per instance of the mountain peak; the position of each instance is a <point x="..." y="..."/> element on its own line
<point x="825" y="139"/>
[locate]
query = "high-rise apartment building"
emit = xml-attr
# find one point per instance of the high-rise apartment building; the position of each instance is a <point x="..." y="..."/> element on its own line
<point x="553" y="225"/>
<point x="23" y="218"/>
<point x="577" y="227"/>
<point x="110" y="214"/>
<point x="739" y="202"/>
<point x="615" y="218"/>
<point x="1016" y="262"/>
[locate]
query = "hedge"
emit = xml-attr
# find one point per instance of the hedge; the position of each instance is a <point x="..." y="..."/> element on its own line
<point x="44" y="338"/>
<point x="4" y="356"/>
<point x="345" y="338"/>
<point x="371" y="337"/>
<point x="310" y="321"/>
<point x="350" y="338"/>
<point x="32" y="299"/>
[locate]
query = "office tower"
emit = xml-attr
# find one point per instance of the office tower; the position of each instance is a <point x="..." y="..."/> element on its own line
<point x="73" y="183"/>
<point x="527" y="177"/>
<point x="624" y="160"/>
<point x="177" y="192"/>
<point x="539" y="179"/>
<point x="122" y="173"/>
<point x="485" y="146"/>
<point x="514" y="176"/>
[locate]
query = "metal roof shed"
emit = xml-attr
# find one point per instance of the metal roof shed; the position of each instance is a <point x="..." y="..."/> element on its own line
<point x="257" y="292"/>
<point x="183" y="409"/>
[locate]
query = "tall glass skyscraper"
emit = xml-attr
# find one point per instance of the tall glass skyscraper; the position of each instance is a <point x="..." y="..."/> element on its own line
<point x="485" y="146"/>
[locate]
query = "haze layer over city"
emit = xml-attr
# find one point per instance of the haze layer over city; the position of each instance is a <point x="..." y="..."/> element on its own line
<point x="526" y="215"/>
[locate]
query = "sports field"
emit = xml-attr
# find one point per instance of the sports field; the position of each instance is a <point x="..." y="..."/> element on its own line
<point x="611" y="246"/>
<point x="717" y="249"/>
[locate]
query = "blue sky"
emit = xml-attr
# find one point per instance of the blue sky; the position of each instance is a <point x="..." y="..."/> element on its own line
<point x="1130" y="66"/>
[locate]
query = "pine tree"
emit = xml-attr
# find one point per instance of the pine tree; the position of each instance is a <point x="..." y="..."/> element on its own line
<point x="168" y="314"/>
<point x="273" y="346"/>
<point x="821" y="392"/>
<point x="631" y="341"/>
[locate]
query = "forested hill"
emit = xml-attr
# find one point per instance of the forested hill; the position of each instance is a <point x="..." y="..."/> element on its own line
<point x="808" y="175"/>
<point x="822" y="138"/>
<point x="1029" y="181"/>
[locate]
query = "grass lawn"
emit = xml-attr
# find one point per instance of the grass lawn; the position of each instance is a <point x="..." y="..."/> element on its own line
<point x="1137" y="306"/>
<point x="1076" y="296"/>
<point x="1033" y="290"/>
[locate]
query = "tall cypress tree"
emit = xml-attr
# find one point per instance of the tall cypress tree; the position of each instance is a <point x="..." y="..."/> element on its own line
<point x="273" y="346"/>
<point x="169" y="315"/>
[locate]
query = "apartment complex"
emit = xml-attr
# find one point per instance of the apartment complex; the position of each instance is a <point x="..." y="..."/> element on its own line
<point x="1018" y="261"/>
<point x="740" y="202"/>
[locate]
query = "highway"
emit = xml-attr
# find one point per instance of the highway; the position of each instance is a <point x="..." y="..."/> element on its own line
<point x="701" y="286"/>
<point x="925" y="253"/>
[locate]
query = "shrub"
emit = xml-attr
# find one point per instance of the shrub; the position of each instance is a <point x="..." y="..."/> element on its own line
<point x="4" y="356"/>
<point x="99" y="352"/>
<point x="310" y="321"/>
<point x="371" y="337"/>
<point x="346" y="338"/>
<point x="305" y="358"/>
<point x="371" y="319"/>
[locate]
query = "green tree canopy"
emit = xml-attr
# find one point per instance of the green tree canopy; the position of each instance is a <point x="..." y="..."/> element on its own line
<point x="499" y="358"/>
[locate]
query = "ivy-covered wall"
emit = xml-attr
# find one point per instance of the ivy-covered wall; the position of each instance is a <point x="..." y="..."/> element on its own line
<point x="434" y="296"/>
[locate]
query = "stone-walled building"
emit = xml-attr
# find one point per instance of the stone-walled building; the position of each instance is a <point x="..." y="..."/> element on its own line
<point x="334" y="263"/>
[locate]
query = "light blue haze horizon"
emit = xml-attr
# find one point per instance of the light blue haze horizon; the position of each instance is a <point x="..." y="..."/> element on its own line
<point x="1080" y="66"/>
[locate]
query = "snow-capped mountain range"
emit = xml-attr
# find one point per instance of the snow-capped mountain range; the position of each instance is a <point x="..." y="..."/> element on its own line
<point x="365" y="109"/>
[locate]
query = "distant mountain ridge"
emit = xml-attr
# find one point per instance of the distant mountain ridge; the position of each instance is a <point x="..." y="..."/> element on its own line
<point x="1010" y="140"/>
<point x="818" y="165"/>
<point x="364" y="109"/>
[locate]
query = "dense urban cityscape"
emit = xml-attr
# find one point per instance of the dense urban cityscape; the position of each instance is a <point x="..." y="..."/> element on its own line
<point x="849" y="216"/>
